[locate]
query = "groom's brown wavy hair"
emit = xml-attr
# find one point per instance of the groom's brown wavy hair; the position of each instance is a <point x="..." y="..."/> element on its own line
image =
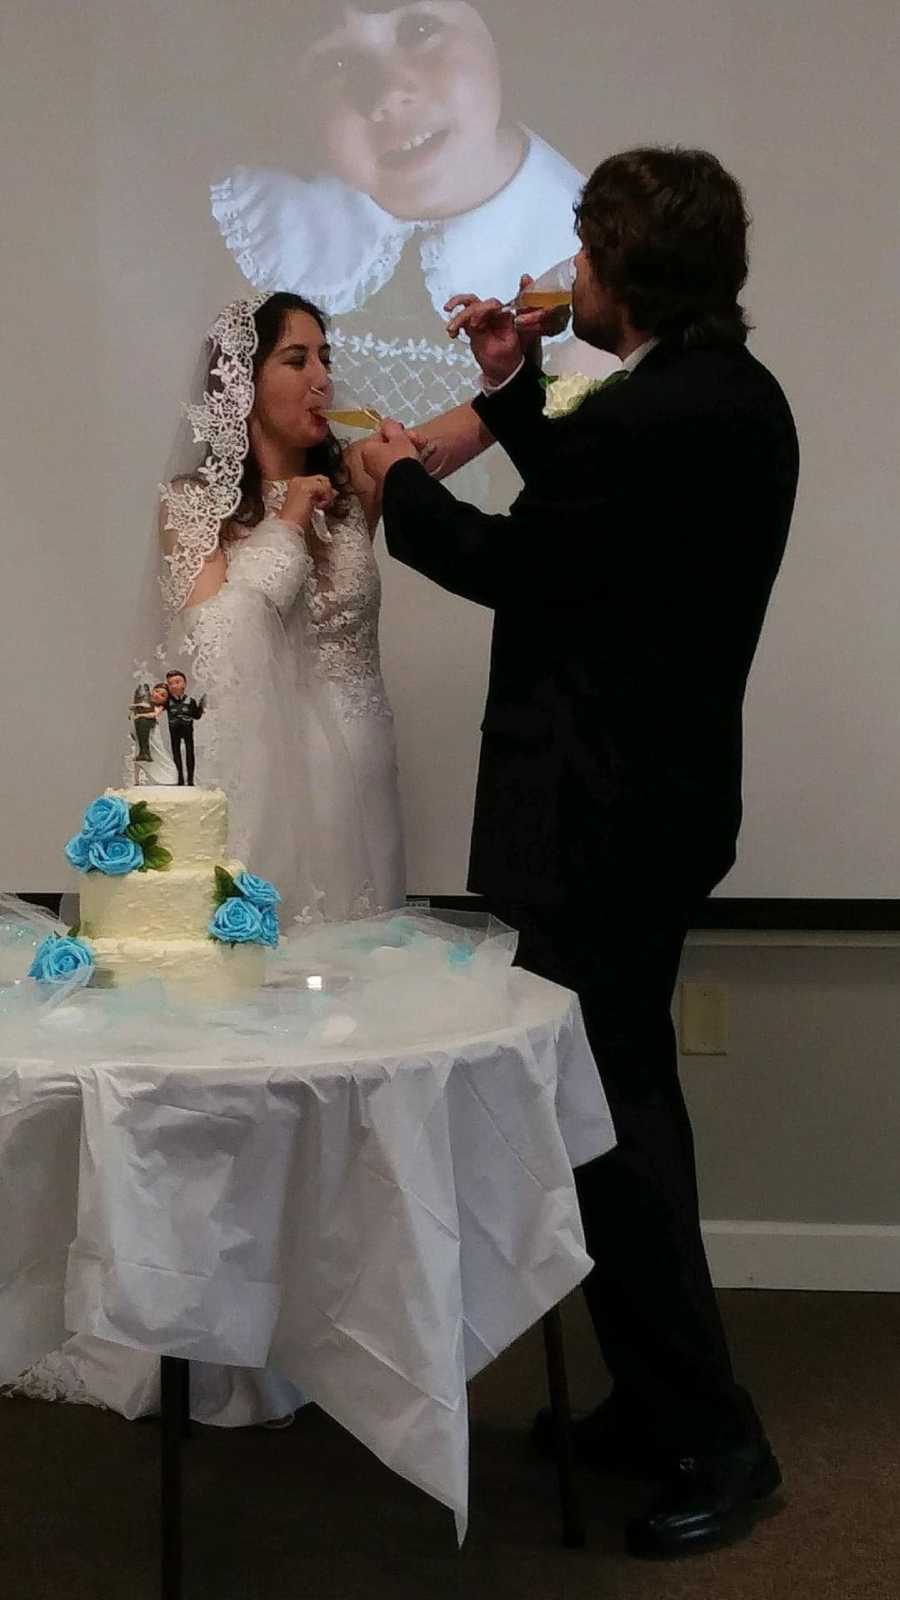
<point x="665" y="230"/>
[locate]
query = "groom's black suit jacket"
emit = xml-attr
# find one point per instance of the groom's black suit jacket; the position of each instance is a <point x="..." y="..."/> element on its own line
<point x="629" y="583"/>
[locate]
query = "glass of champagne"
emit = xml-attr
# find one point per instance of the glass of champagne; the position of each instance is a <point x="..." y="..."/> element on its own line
<point x="552" y="291"/>
<point x="347" y="411"/>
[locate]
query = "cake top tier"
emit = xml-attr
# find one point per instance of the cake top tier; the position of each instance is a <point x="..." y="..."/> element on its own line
<point x="193" y="823"/>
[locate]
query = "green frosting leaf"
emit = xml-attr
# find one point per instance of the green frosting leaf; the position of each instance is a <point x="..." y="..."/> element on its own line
<point x="142" y="822"/>
<point x="225" y="888"/>
<point x="143" y="831"/>
<point x="156" y="858"/>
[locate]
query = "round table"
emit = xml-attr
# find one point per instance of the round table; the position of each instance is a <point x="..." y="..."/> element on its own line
<point x="377" y="1226"/>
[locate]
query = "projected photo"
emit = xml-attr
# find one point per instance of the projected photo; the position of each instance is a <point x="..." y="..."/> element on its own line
<point x="415" y="182"/>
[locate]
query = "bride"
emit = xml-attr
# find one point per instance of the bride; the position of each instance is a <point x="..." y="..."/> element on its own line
<point x="273" y="594"/>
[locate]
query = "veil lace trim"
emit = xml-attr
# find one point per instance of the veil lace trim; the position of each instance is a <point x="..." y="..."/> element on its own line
<point x="194" y="507"/>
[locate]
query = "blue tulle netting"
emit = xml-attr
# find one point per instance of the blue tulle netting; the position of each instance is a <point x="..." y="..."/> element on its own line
<point x="400" y="978"/>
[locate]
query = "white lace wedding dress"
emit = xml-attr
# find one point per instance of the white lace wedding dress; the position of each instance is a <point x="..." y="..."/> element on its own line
<point x="297" y="729"/>
<point x="160" y="768"/>
<point x="299" y="734"/>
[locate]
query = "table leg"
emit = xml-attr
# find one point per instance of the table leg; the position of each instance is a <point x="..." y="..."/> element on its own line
<point x="557" y="1382"/>
<point x="174" y="1378"/>
<point x="186" y="1401"/>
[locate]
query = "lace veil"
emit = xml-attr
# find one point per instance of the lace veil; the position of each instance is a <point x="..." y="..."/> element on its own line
<point x="202" y="488"/>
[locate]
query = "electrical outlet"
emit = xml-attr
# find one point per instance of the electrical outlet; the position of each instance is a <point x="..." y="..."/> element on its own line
<point x="703" y="1019"/>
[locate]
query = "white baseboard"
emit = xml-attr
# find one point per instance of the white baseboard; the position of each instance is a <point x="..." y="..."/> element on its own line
<point x="803" y="1255"/>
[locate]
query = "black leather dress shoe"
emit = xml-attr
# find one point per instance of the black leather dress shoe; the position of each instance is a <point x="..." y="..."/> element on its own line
<point x="607" y="1441"/>
<point x="711" y="1500"/>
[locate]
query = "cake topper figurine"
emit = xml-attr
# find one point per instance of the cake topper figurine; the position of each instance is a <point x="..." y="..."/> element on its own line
<point x="182" y="713"/>
<point x="152" y="762"/>
<point x="143" y="721"/>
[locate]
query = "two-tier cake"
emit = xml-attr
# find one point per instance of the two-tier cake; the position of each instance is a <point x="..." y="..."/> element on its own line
<point x="159" y="898"/>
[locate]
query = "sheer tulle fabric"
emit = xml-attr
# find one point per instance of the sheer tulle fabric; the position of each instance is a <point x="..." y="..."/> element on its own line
<point x="251" y="740"/>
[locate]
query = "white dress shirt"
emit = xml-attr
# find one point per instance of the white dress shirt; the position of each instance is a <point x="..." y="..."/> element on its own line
<point x="628" y="365"/>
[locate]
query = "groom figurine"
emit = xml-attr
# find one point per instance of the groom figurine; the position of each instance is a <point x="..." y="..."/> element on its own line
<point x="182" y="714"/>
<point x="629" y="584"/>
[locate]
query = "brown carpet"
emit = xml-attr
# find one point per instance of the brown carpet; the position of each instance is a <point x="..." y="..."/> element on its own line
<point x="308" y="1514"/>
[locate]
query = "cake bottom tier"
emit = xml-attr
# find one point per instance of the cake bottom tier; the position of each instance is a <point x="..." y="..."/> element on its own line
<point x="204" y="967"/>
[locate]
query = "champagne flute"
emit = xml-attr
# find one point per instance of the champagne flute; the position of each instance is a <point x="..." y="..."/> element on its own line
<point x="551" y="291"/>
<point x="347" y="411"/>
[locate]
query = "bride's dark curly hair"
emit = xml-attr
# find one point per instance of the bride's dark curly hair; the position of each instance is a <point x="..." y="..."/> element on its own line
<point x="326" y="458"/>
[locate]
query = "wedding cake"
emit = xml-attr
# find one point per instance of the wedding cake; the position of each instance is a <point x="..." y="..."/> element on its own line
<point x="159" y="899"/>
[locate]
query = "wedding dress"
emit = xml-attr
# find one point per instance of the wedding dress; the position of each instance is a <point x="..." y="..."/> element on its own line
<point x="160" y="768"/>
<point x="297" y="729"/>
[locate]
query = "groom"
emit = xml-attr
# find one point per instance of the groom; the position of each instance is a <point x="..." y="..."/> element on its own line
<point x="629" y="584"/>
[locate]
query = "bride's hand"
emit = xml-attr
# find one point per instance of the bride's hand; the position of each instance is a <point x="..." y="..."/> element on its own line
<point x="304" y="496"/>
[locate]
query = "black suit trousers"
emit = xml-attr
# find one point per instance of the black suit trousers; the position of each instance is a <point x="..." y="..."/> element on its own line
<point x="650" y="1295"/>
<point x="182" y="741"/>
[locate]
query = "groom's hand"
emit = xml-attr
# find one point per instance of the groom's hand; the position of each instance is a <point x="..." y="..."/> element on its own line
<point x="500" y="335"/>
<point x="393" y="443"/>
<point x="492" y="332"/>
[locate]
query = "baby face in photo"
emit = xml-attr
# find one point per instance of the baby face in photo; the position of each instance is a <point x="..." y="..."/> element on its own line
<point x="405" y="104"/>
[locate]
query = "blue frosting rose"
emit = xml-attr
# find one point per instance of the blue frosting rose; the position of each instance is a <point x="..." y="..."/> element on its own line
<point x="106" y="817"/>
<point x="57" y="960"/>
<point x="258" y="891"/>
<point x="77" y="852"/>
<point x="268" y="928"/>
<point x="115" y="857"/>
<point x="237" y="922"/>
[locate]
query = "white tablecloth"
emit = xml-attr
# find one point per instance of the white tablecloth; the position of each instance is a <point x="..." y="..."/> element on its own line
<point x="376" y="1227"/>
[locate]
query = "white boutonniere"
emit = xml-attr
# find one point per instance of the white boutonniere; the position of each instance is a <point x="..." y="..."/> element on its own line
<point x="569" y="390"/>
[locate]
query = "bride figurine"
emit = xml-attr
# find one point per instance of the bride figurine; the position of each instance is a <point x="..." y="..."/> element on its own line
<point x="152" y="761"/>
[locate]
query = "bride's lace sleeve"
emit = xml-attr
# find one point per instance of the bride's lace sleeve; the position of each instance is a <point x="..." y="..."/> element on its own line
<point x="273" y="558"/>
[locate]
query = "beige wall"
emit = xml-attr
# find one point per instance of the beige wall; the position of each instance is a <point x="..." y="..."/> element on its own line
<point x="797" y="1126"/>
<point x="52" y="654"/>
<point x="801" y="1119"/>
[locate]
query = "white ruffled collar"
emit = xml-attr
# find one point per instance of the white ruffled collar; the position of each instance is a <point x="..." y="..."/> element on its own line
<point x="336" y="246"/>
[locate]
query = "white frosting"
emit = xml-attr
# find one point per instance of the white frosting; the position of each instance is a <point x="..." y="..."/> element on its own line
<point x="148" y="905"/>
<point x="205" y="966"/>
<point x="193" y="822"/>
